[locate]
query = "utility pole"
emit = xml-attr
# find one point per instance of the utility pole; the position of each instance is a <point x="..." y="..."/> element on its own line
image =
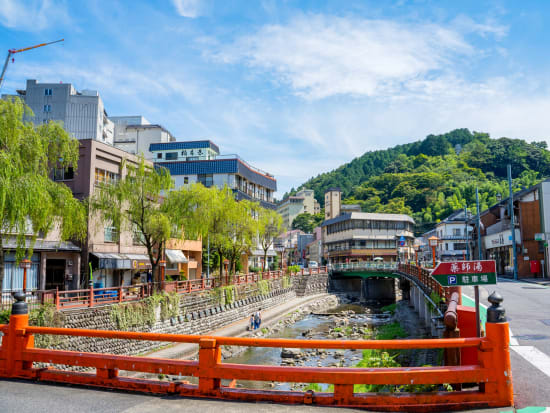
<point x="466" y="235"/>
<point x="11" y="52"/>
<point x="512" y="222"/>
<point x="476" y="288"/>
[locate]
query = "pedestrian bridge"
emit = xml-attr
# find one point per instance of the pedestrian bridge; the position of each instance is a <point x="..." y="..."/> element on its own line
<point x="366" y="269"/>
<point x="490" y="372"/>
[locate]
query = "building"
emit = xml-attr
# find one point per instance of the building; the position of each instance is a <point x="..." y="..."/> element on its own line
<point x="532" y="230"/>
<point x="454" y="235"/>
<point x="135" y="134"/>
<point x="333" y="202"/>
<point x="117" y="258"/>
<point x="200" y="161"/>
<point x="54" y="264"/>
<point x="287" y="243"/>
<point x="82" y="113"/>
<point x="303" y="202"/>
<point x="351" y="236"/>
<point x="314" y="250"/>
<point x="361" y="236"/>
<point x="183" y="259"/>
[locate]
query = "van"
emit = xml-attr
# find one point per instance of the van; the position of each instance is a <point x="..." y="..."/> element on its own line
<point x="313" y="264"/>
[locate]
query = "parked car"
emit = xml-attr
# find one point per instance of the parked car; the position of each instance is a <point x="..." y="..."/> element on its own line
<point x="313" y="264"/>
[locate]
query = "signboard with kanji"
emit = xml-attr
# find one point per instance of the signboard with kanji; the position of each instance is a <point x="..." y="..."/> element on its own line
<point x="461" y="273"/>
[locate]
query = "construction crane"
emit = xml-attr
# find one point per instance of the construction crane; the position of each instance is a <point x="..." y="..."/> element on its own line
<point x="11" y="52"/>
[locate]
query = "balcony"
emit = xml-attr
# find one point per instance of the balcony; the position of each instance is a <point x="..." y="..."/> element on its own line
<point x="242" y="195"/>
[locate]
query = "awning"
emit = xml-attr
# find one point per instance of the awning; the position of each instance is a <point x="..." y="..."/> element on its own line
<point x="175" y="256"/>
<point x="122" y="261"/>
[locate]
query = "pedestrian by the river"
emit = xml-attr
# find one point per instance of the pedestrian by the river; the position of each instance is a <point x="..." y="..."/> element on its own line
<point x="252" y="324"/>
<point x="257" y="319"/>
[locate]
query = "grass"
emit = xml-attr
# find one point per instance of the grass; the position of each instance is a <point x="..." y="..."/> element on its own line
<point x="390" y="331"/>
<point x="337" y="329"/>
<point x="391" y="308"/>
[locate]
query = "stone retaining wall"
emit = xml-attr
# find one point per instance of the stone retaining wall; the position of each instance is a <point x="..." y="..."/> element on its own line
<point x="199" y="313"/>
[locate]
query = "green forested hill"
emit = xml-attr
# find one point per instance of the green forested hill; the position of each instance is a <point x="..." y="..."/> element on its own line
<point x="431" y="178"/>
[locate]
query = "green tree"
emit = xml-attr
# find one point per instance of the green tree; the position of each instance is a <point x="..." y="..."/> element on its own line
<point x="30" y="202"/>
<point x="270" y="225"/>
<point x="133" y="204"/>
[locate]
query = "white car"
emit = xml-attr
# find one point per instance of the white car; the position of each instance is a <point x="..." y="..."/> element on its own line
<point x="313" y="264"/>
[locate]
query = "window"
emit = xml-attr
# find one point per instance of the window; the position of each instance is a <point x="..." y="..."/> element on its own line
<point x="47" y="108"/>
<point x="159" y="155"/>
<point x="185" y="179"/>
<point x="171" y="156"/>
<point x="47" y="92"/>
<point x="111" y="234"/>
<point x="105" y="177"/>
<point x="456" y="232"/>
<point x="206" y="180"/>
<point x="61" y="174"/>
<point x="137" y="237"/>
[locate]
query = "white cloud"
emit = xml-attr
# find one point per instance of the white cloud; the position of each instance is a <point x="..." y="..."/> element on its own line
<point x="321" y="56"/>
<point x="188" y="8"/>
<point x="32" y="15"/>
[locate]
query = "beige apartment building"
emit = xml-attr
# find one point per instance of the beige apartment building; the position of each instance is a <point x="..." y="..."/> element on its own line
<point x="116" y="258"/>
<point x="304" y="201"/>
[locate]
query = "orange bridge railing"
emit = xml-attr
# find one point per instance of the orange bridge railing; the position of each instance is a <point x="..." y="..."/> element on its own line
<point x="492" y="372"/>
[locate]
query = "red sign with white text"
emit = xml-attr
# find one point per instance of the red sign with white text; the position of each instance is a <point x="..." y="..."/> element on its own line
<point x="465" y="267"/>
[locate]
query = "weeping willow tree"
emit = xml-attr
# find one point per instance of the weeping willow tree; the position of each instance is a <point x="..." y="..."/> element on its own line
<point x="30" y="202"/>
<point x="133" y="204"/>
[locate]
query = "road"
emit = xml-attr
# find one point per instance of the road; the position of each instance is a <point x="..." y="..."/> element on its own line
<point x="527" y="308"/>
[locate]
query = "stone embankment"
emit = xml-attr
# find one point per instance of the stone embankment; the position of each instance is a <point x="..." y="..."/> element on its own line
<point x="195" y="313"/>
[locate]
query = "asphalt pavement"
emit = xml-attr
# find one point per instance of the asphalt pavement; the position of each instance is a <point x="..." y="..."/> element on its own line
<point x="527" y="306"/>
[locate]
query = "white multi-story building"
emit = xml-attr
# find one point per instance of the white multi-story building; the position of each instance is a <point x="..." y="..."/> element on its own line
<point x="199" y="161"/>
<point x="82" y="113"/>
<point x="135" y="134"/>
<point x="453" y="233"/>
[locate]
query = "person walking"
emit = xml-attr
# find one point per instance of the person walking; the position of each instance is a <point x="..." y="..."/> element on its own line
<point x="257" y="319"/>
<point x="252" y="322"/>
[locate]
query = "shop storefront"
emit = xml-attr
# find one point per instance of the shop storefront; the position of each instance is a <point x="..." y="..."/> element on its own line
<point x="113" y="270"/>
<point x="498" y="247"/>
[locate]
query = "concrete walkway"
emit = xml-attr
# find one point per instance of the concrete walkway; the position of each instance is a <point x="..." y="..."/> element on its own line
<point x="238" y="328"/>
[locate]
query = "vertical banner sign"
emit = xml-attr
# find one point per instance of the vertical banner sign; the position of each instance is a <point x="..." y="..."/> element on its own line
<point x="463" y="273"/>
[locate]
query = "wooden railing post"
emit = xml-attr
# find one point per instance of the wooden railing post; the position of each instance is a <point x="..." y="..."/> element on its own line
<point x="343" y="393"/>
<point x="91" y="300"/>
<point x="57" y="298"/>
<point x="120" y="294"/>
<point x="209" y="356"/>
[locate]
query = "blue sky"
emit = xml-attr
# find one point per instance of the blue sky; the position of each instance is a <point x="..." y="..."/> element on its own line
<point x="296" y="87"/>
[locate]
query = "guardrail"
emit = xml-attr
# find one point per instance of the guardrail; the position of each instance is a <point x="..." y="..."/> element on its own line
<point x="492" y="373"/>
<point x="365" y="265"/>
<point x="424" y="277"/>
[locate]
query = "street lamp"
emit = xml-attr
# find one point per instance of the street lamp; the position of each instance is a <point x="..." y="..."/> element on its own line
<point x="416" y="247"/>
<point x="433" y="240"/>
<point x="25" y="264"/>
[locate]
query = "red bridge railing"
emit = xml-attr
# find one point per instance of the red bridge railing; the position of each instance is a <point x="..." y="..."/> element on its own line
<point x="492" y="373"/>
